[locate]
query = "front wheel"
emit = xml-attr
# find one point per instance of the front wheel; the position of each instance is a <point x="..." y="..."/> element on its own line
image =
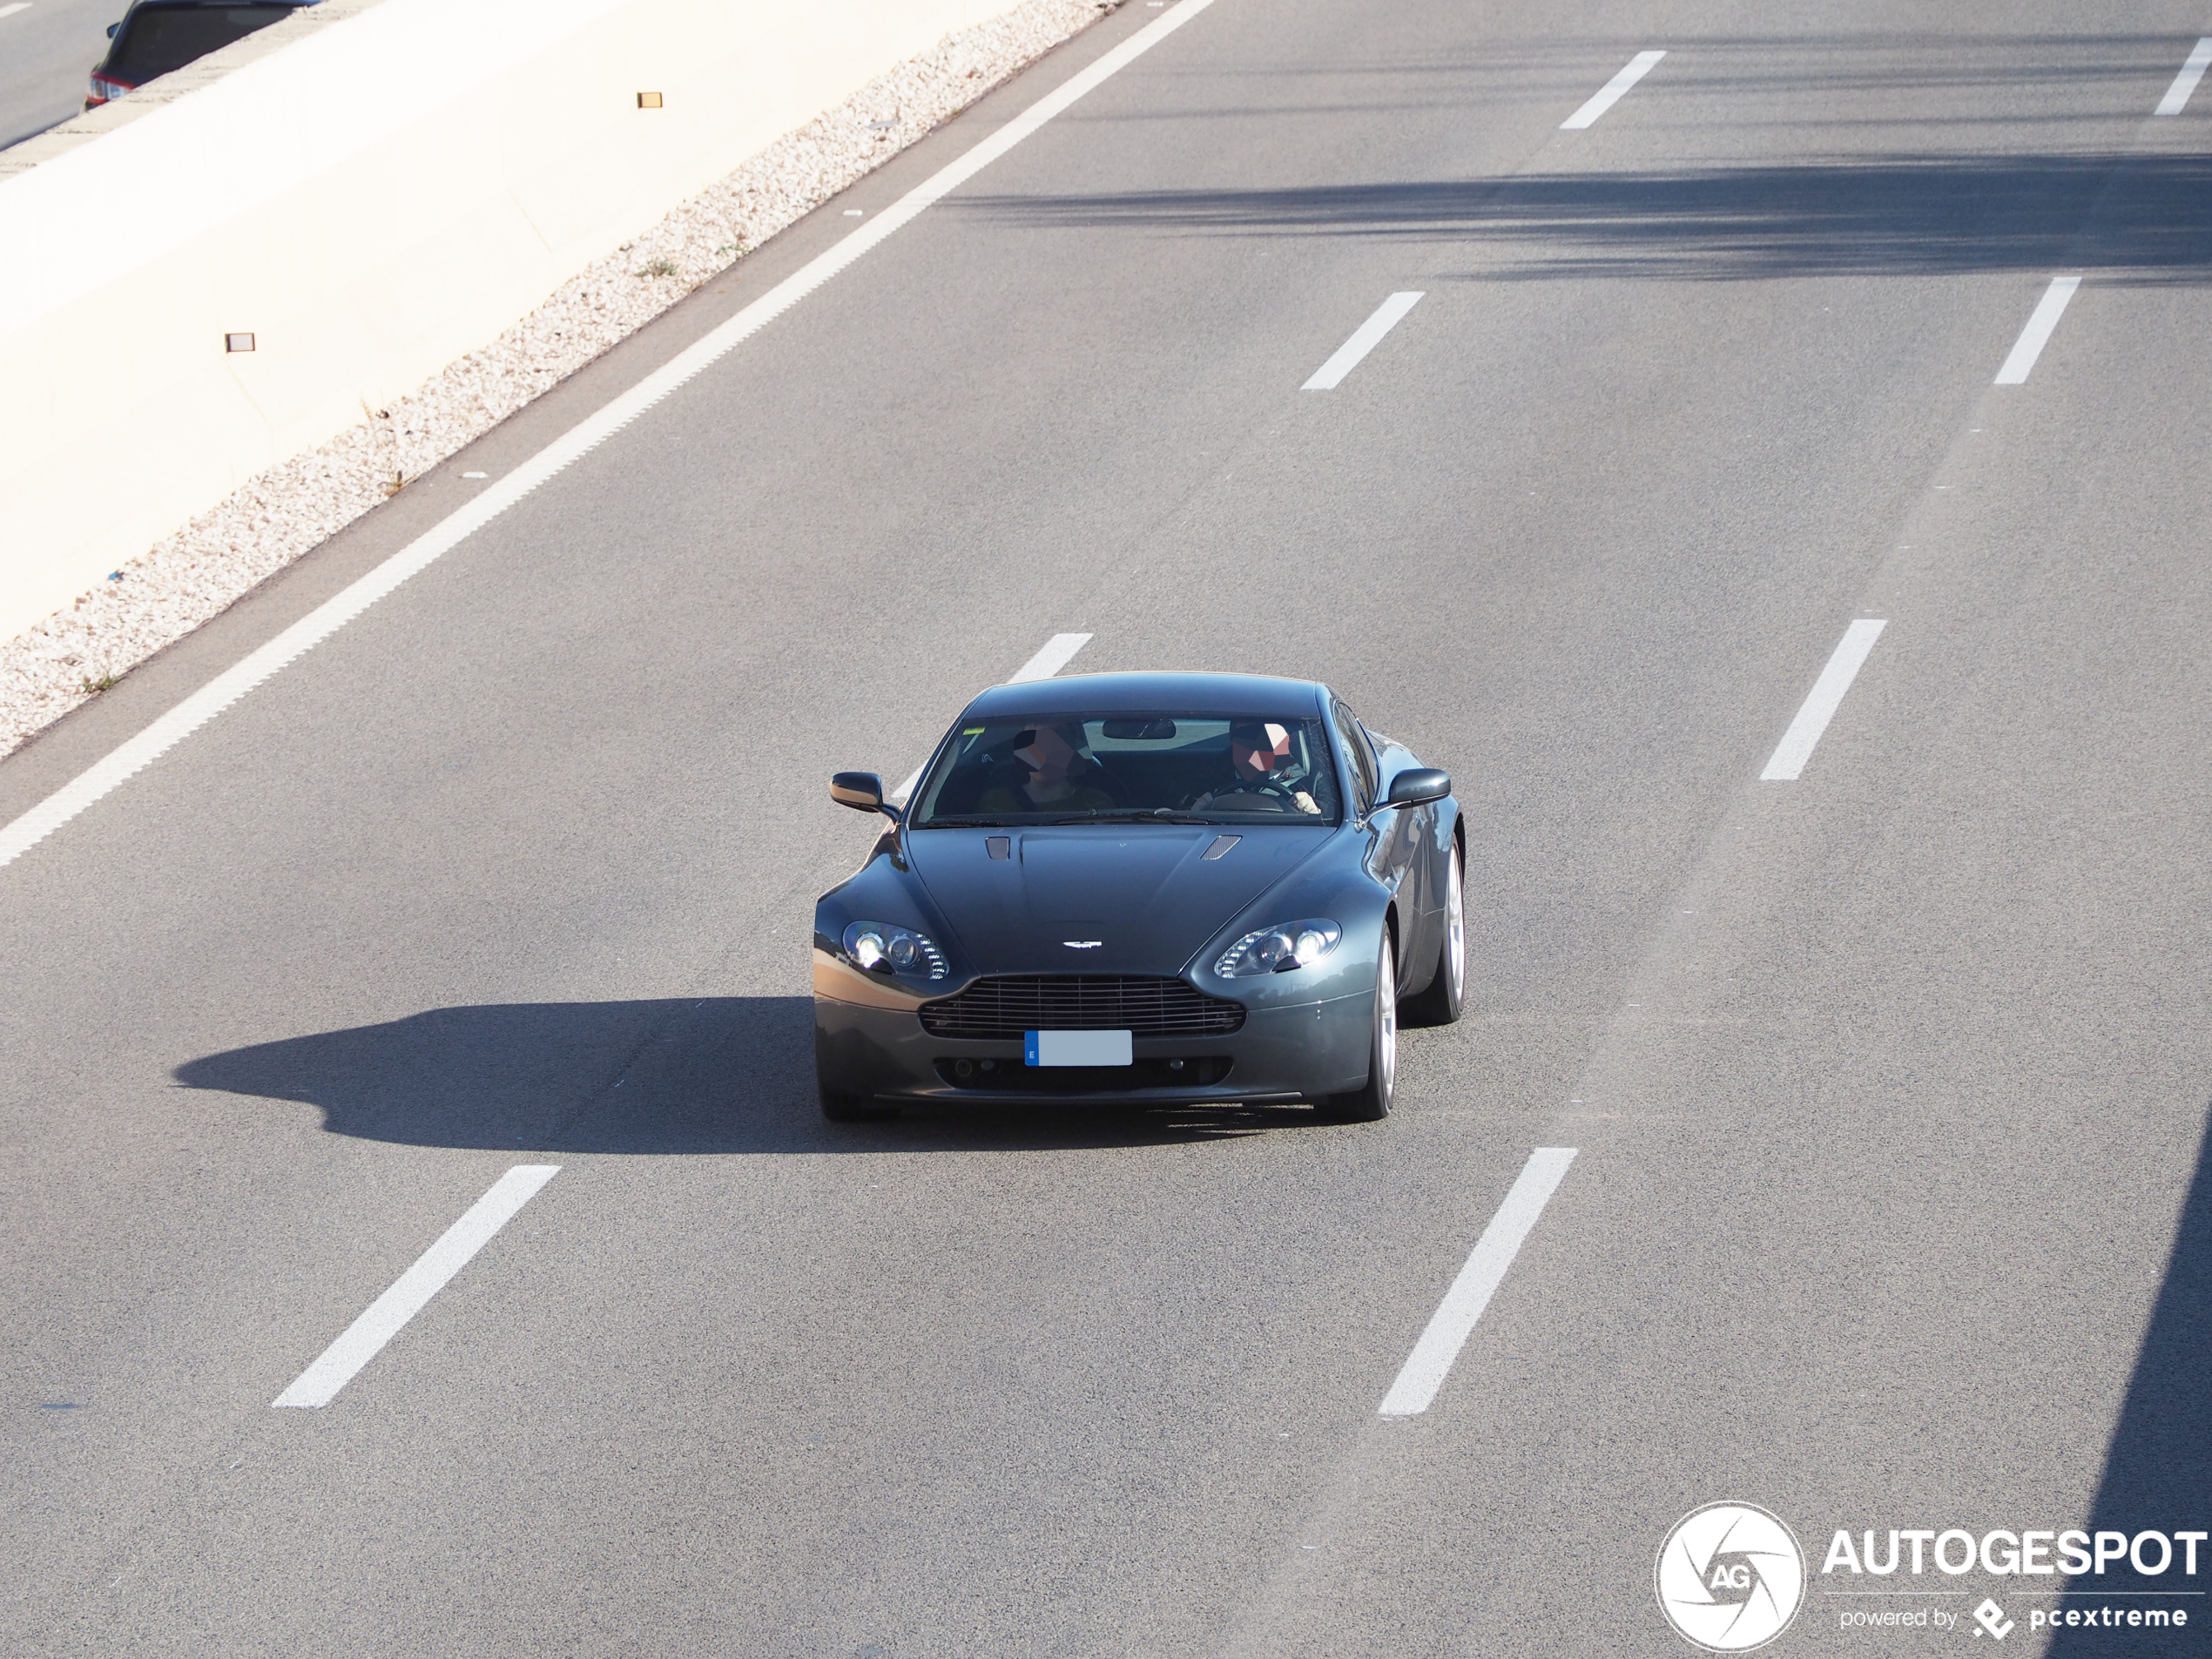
<point x="1372" y="1103"/>
<point x="1445" y="998"/>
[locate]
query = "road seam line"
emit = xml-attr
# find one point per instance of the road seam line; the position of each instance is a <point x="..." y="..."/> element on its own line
<point x="2041" y="323"/>
<point x="1448" y="1328"/>
<point x="2177" y="96"/>
<point x="1822" y="702"/>
<point x="138" y="753"/>
<point x="411" y="1292"/>
<point x="1634" y="70"/>
<point x="1363" y="340"/>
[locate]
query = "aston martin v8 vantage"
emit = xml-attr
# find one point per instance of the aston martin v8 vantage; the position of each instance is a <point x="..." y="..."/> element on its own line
<point x="1144" y="889"/>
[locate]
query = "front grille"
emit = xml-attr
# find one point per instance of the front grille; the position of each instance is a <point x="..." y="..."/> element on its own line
<point x="1003" y="1008"/>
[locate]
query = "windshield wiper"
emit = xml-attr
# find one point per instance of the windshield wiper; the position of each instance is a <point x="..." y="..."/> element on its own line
<point x="1131" y="815"/>
<point x="968" y="820"/>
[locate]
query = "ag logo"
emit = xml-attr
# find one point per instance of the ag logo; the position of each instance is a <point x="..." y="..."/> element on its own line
<point x="1730" y="1577"/>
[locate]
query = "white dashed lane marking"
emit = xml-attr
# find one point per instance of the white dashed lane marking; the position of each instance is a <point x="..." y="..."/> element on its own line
<point x="1634" y="70"/>
<point x="1363" y="340"/>
<point x="1821" y="703"/>
<point x="2177" y="96"/>
<point x="1058" y="652"/>
<point x="2037" y="335"/>
<point x="1425" y="1368"/>
<point x="411" y="1292"/>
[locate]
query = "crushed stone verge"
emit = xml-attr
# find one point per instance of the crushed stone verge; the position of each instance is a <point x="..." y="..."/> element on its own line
<point x="201" y="570"/>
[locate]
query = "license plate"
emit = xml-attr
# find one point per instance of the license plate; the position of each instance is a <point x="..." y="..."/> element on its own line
<point x="1077" y="1049"/>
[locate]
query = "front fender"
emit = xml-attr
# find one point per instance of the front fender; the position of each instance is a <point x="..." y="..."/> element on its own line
<point x="1334" y="882"/>
<point x="883" y="889"/>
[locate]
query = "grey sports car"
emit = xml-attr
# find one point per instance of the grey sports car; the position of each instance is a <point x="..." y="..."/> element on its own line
<point x="1144" y="889"/>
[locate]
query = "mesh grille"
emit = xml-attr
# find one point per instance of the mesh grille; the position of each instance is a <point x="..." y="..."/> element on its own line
<point x="1005" y="1007"/>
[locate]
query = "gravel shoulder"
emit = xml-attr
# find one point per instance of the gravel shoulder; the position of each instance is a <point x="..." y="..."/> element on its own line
<point x="205" y="568"/>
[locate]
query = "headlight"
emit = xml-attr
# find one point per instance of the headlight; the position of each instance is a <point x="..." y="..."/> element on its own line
<point x="880" y="948"/>
<point x="1277" y="950"/>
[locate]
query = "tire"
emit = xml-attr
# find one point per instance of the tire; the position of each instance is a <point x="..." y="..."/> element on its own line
<point x="1445" y="998"/>
<point x="853" y="1108"/>
<point x="1371" y="1103"/>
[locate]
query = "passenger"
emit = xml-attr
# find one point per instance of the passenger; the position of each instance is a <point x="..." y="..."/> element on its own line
<point x="1266" y="775"/>
<point x="1049" y="756"/>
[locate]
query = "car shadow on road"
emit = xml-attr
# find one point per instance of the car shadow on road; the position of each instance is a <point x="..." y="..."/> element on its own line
<point x="713" y="1074"/>
<point x="2122" y="216"/>
<point x="2158" y="1469"/>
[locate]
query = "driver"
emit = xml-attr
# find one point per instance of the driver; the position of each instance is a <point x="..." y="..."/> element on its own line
<point x="1259" y="755"/>
<point x="1049" y="754"/>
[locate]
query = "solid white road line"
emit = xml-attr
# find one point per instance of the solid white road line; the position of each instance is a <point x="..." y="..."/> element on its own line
<point x="2037" y="335"/>
<point x="1796" y="745"/>
<point x="1058" y="652"/>
<point x="413" y="1289"/>
<point x="10" y="11"/>
<point x="2177" y="96"/>
<point x="1449" y="1327"/>
<point x="1610" y="94"/>
<point x="1363" y="340"/>
<point x="579" y="440"/>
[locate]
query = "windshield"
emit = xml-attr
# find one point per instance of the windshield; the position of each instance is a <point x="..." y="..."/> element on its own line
<point x="157" y="39"/>
<point x="1062" y="768"/>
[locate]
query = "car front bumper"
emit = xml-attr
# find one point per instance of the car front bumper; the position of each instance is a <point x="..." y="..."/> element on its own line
<point x="1285" y="1051"/>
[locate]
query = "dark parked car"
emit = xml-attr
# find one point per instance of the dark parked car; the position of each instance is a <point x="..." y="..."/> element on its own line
<point x="1143" y="888"/>
<point x="158" y="36"/>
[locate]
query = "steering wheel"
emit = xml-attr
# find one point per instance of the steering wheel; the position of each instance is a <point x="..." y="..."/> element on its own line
<point x="1282" y="797"/>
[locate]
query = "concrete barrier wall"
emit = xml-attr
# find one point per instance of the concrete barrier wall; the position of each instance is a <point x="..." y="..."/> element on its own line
<point x="371" y="202"/>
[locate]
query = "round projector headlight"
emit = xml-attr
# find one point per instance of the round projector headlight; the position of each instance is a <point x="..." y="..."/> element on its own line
<point x="1277" y="950"/>
<point x="878" y="947"/>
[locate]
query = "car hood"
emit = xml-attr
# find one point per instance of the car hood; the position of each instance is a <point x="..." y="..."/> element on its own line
<point x="1134" y="899"/>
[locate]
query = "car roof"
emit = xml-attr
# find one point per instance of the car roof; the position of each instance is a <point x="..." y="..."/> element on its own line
<point x="1154" y="693"/>
<point x="137" y="6"/>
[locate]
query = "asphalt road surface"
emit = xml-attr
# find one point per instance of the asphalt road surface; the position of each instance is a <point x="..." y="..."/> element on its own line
<point x="47" y="50"/>
<point x="1886" y="1082"/>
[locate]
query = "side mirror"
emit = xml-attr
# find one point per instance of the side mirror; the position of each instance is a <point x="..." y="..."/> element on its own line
<point x="111" y="28"/>
<point x="862" y="791"/>
<point x="1417" y="787"/>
